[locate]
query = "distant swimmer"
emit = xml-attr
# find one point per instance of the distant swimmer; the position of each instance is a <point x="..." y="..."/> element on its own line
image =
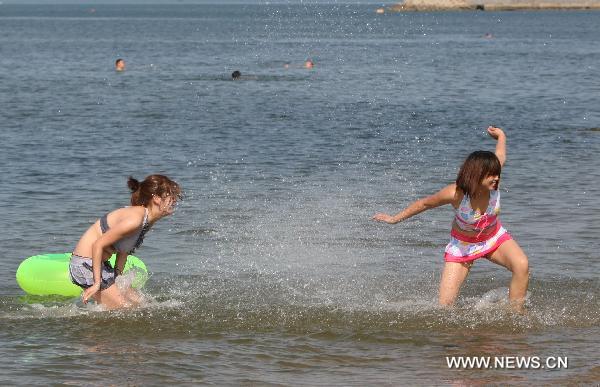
<point x="476" y="228"/>
<point x="488" y="36"/>
<point x="120" y="65"/>
<point x="308" y="64"/>
<point x="237" y="76"/>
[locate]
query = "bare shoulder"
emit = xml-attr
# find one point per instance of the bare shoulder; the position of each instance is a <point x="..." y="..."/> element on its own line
<point x="136" y="213"/>
<point x="130" y="217"/>
<point x="452" y="194"/>
<point x="444" y="196"/>
<point x="450" y="189"/>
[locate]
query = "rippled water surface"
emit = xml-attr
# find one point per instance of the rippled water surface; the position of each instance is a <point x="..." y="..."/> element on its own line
<point x="271" y="271"/>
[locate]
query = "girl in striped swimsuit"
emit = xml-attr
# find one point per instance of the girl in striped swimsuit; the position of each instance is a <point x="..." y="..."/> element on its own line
<point x="476" y="228"/>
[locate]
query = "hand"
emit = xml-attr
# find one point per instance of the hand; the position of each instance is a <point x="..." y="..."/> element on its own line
<point x="380" y="217"/>
<point x="89" y="292"/>
<point x="495" y="132"/>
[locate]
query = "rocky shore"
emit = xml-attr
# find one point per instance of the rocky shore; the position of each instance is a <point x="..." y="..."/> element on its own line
<point x="492" y="5"/>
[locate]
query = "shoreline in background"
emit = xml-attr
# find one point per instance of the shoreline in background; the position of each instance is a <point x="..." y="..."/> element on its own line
<point x="493" y="5"/>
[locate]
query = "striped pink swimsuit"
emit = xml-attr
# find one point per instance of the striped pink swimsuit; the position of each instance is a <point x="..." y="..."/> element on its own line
<point x="490" y="233"/>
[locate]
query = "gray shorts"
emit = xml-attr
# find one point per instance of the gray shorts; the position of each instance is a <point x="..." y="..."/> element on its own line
<point x="80" y="269"/>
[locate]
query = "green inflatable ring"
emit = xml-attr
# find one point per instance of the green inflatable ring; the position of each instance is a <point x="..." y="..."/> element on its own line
<point x="48" y="274"/>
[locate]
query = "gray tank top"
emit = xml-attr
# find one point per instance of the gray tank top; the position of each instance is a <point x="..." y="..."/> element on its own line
<point x="131" y="242"/>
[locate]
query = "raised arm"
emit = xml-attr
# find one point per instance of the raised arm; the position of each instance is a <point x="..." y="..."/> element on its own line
<point x="500" y="137"/>
<point x="444" y="196"/>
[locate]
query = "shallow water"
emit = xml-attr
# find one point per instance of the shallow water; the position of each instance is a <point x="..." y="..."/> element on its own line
<point x="271" y="270"/>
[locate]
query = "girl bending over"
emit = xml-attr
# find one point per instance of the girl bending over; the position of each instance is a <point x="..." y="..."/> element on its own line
<point x="120" y="231"/>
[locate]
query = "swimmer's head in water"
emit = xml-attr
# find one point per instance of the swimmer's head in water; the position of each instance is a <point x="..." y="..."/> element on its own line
<point x="236" y="75"/>
<point x="119" y="64"/>
<point x="309" y="64"/>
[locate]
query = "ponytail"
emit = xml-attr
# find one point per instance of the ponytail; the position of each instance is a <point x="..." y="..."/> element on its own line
<point x="134" y="185"/>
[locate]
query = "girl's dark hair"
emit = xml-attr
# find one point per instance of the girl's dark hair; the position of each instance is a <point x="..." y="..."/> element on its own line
<point x="159" y="185"/>
<point x="476" y="167"/>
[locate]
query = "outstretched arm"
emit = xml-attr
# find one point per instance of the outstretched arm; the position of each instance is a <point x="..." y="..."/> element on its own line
<point x="499" y="135"/>
<point x="444" y="196"/>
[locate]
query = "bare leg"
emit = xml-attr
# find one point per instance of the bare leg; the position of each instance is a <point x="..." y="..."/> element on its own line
<point x="452" y="278"/>
<point x="133" y="296"/>
<point x="512" y="257"/>
<point x="111" y="298"/>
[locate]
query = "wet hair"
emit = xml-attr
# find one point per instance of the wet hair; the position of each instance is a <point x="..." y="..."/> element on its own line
<point x="118" y="60"/>
<point x="159" y="185"/>
<point x="236" y="74"/>
<point x="475" y="168"/>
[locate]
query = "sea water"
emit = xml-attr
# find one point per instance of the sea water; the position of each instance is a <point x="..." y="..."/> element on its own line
<point x="271" y="270"/>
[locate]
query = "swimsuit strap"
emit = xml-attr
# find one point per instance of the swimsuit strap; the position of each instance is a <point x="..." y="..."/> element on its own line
<point x="496" y="194"/>
<point x="465" y="203"/>
<point x="104" y="223"/>
<point x="145" y="228"/>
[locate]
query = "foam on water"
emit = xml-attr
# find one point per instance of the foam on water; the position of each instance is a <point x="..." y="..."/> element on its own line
<point x="265" y="303"/>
